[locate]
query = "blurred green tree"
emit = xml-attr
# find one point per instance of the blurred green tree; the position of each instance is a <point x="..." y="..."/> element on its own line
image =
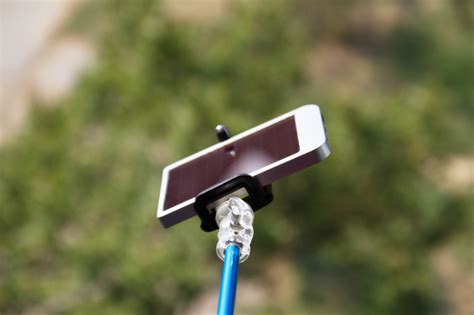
<point x="78" y="188"/>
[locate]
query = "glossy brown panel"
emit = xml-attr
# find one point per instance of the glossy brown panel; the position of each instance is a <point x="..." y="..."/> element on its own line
<point x="245" y="155"/>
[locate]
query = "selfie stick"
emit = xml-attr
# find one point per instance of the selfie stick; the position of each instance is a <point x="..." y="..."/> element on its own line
<point x="229" y="281"/>
<point x="234" y="218"/>
<point x="229" y="207"/>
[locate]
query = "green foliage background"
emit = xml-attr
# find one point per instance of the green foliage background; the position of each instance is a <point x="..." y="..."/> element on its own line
<point x="78" y="188"/>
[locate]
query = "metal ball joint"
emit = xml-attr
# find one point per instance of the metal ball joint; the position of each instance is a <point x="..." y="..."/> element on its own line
<point x="234" y="218"/>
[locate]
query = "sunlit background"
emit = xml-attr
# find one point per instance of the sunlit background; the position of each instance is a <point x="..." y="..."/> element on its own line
<point x="98" y="96"/>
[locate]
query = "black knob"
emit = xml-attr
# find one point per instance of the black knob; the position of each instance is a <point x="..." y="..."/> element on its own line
<point x="222" y="133"/>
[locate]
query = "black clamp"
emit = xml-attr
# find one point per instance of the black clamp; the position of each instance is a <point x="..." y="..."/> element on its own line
<point x="243" y="186"/>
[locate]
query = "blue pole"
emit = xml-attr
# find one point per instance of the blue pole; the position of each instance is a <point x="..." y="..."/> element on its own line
<point x="229" y="280"/>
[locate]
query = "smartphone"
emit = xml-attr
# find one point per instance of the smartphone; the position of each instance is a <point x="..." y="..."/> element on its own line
<point x="270" y="151"/>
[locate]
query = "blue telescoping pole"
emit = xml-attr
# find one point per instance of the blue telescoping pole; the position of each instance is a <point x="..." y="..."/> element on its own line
<point x="229" y="280"/>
